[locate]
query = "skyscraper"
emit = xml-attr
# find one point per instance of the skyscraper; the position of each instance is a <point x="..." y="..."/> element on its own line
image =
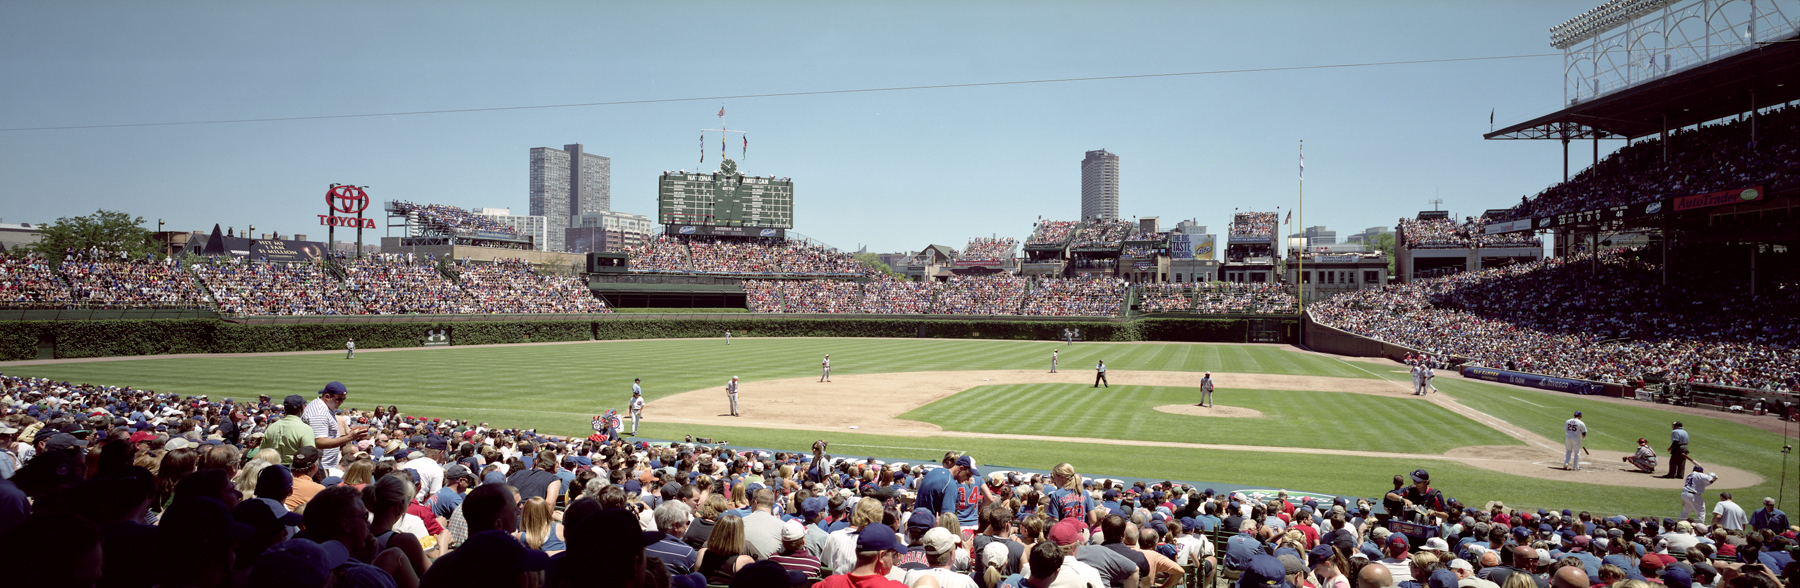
<point x="566" y="183"/>
<point x="1100" y="186"/>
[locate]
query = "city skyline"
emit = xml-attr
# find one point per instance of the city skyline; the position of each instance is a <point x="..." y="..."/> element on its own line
<point x="892" y="170"/>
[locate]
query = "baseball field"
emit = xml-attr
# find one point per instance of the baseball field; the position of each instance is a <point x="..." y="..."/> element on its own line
<point x="1285" y="418"/>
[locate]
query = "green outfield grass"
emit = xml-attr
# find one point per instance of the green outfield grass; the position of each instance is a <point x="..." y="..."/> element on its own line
<point x="557" y="388"/>
<point x="1290" y="418"/>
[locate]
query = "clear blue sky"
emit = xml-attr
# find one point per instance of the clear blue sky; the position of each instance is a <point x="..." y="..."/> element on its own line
<point x="894" y="170"/>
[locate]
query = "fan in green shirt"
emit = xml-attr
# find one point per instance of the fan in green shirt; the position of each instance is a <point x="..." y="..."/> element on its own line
<point x="290" y="433"/>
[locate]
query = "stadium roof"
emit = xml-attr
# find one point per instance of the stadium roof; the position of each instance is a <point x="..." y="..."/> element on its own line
<point x="1771" y="73"/>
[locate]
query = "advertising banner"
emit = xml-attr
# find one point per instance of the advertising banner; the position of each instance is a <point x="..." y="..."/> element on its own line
<point x="437" y="337"/>
<point x="1181" y="246"/>
<point x="286" y="250"/>
<point x="1507" y="227"/>
<point x="977" y="263"/>
<point x="727" y="231"/>
<point x="1533" y="380"/>
<point x="1250" y="238"/>
<point x="1336" y="258"/>
<point x="1203" y="247"/>
<point x="1709" y="200"/>
<point x="1614" y="213"/>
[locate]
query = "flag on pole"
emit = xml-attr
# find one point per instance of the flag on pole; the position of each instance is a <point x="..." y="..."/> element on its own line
<point x="745" y="154"/>
<point x="721" y="111"/>
<point x="1290" y="218"/>
<point x="721" y="145"/>
<point x="1302" y="171"/>
<point x="702" y="147"/>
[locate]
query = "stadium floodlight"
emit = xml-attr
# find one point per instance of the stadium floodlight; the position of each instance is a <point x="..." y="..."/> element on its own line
<point x="1602" y="18"/>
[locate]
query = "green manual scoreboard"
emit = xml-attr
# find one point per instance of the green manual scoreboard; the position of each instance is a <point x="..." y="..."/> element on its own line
<point x="724" y="199"/>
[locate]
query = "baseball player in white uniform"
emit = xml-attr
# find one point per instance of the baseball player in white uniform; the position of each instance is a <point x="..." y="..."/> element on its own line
<point x="1418" y="375"/>
<point x="637" y="404"/>
<point x="727" y="336"/>
<point x="1053" y="361"/>
<point x="1206" y="387"/>
<point x="1693" y="493"/>
<point x="825" y="369"/>
<point x="1574" y="432"/>
<point x="350" y="346"/>
<point x="1428" y="375"/>
<point x="731" y="392"/>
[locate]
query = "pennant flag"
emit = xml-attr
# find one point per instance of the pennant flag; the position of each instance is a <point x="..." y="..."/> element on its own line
<point x="1490" y="117"/>
<point x="1302" y="167"/>
<point x="702" y="147"/>
<point x="721" y="145"/>
<point x="721" y="111"/>
<point x="745" y="154"/>
<point x="1290" y="218"/>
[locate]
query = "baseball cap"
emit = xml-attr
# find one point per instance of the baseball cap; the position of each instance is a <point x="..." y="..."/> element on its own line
<point x="1442" y="579"/>
<point x="1697" y="468"/>
<point x="793" y="531"/>
<point x="921" y="519"/>
<point x="1420" y="475"/>
<point x="1320" y="553"/>
<point x="1642" y="441"/>
<point x="968" y="462"/>
<point x="1263" y="571"/>
<point x="1067" y="531"/>
<point x="293" y="402"/>
<point x="812" y="506"/>
<point x="879" y="537"/>
<point x="1436" y="544"/>
<point x="457" y="470"/>
<point x="263" y="514"/>
<point x="67" y="441"/>
<point x="1578" y="413"/>
<point x="298" y="563"/>
<point x="1461" y="564"/>
<point x="335" y="388"/>
<point x="938" y="541"/>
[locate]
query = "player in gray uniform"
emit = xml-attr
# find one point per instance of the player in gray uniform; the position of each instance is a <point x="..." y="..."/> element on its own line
<point x="727" y="336"/>
<point x="825" y="369"/>
<point x="731" y="392"/>
<point x="1053" y="361"/>
<point x="1206" y="388"/>
<point x="1418" y="376"/>
<point x="637" y="404"/>
<point x="1428" y="375"/>
<point x="350" y="346"/>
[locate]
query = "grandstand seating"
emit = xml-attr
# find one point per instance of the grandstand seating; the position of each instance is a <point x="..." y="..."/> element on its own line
<point x="1444" y="233"/>
<point x="450" y="219"/>
<point x="765" y="257"/>
<point x="30" y="281"/>
<point x="277" y="289"/>
<point x="125" y="284"/>
<point x="1051" y="232"/>
<point x="1556" y="317"/>
<point x="1708" y="159"/>
<point x="986" y="249"/>
<point x="1257" y="225"/>
<point x="1102" y="234"/>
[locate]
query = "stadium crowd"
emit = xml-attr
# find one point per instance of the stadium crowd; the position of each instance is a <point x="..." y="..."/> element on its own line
<point x="114" y="486"/>
<point x="1439" y="233"/>
<point x="1051" y="232"/>
<point x="391" y="283"/>
<point x="248" y="288"/>
<point x="1707" y="159"/>
<point x="1234" y="298"/>
<point x="1103" y="233"/>
<point x="510" y="286"/>
<point x="1557" y="317"/>
<point x="1166" y="297"/>
<point x="803" y="296"/>
<point x="894" y="296"/>
<point x="30" y="279"/>
<point x="119" y="283"/>
<point x="742" y="256"/>
<point x="1259" y="225"/>
<point x="992" y="295"/>
<point x="659" y="254"/>
<point x="987" y="249"/>
<point x="443" y="216"/>
<point x="1074" y="297"/>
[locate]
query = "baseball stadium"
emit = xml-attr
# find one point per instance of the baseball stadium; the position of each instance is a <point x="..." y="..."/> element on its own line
<point x="1617" y="351"/>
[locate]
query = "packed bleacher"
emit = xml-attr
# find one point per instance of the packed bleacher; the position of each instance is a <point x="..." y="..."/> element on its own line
<point x="894" y="296"/>
<point x="1166" y="297"/>
<point x="783" y="257"/>
<point x="987" y="249"/>
<point x="988" y="295"/>
<point x="803" y="296"/>
<point x="30" y="280"/>
<point x="1233" y="298"/>
<point x="1444" y="233"/>
<point x="1556" y="317"/>
<point x="1074" y="297"/>
<point x="125" y="284"/>
<point x="510" y="286"/>
<point x="451" y="218"/>
<point x="1051" y="232"/>
<point x="390" y="283"/>
<point x="1716" y="157"/>
<point x="1102" y="233"/>
<point x="298" y="289"/>
<point x="242" y="492"/>
<point x="1256" y="225"/>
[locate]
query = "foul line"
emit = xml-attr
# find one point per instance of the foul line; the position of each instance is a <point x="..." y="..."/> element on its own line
<point x="1527" y="402"/>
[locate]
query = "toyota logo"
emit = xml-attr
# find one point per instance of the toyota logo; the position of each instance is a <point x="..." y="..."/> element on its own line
<point x="347" y="199"/>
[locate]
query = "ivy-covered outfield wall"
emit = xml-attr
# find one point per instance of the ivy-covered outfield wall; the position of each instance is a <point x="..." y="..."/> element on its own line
<point x="21" y="340"/>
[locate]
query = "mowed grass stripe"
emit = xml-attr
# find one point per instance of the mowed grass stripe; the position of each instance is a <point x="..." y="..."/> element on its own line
<point x="1290" y="418"/>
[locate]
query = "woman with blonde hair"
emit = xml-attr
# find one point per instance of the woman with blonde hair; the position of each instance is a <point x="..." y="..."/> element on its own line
<point x="245" y="482"/>
<point x="268" y="454"/>
<point x="1068" y="500"/>
<point x="740" y="499"/>
<point x="724" y="551"/>
<point x="538" y="527"/>
<point x="705" y="518"/>
<point x="359" y="473"/>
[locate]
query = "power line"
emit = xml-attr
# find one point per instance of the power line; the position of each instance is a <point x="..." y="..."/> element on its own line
<point x="786" y="94"/>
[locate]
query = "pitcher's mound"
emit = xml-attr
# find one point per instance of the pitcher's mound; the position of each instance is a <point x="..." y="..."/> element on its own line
<point x="1210" y="411"/>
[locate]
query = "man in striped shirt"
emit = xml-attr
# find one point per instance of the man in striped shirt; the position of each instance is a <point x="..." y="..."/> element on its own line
<point x="328" y="435"/>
